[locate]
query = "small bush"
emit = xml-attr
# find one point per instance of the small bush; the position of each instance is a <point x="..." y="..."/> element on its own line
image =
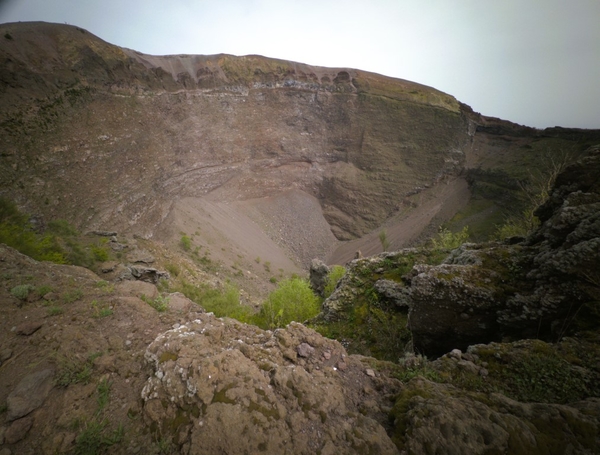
<point x="160" y="303"/>
<point x="43" y="290"/>
<point x="173" y="269"/>
<point x="385" y="243"/>
<point x="72" y="296"/>
<point x="55" y="311"/>
<point x="100" y="310"/>
<point x="8" y="36"/>
<point x="224" y="303"/>
<point x="446" y="240"/>
<point x="100" y="253"/>
<point x="22" y="291"/>
<point x="335" y="275"/>
<point x="293" y="300"/>
<point x="185" y="243"/>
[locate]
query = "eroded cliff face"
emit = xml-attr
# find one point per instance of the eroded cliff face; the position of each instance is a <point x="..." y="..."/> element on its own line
<point x="109" y="138"/>
<point x="106" y="136"/>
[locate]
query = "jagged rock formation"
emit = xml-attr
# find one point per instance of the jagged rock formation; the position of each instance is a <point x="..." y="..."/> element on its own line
<point x="544" y="288"/>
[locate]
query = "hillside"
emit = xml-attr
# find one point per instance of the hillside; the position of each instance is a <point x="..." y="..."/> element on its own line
<point x="112" y="139"/>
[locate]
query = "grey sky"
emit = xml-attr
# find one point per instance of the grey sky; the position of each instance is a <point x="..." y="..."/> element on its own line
<point x="534" y="62"/>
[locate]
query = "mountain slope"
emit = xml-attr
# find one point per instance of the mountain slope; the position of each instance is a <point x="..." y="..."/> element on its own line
<point x="109" y="138"/>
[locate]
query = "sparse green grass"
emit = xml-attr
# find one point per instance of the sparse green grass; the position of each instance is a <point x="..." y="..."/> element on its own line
<point x="173" y="269"/>
<point x="100" y="310"/>
<point x="72" y="296"/>
<point x="55" y="311"/>
<point x="72" y="370"/>
<point x="43" y="290"/>
<point x="160" y="303"/>
<point x="383" y="239"/>
<point x="103" y="391"/>
<point x="105" y="286"/>
<point x="95" y="437"/>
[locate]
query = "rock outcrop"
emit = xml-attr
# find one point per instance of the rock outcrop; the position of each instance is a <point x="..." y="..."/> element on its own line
<point x="544" y="287"/>
<point x="223" y="387"/>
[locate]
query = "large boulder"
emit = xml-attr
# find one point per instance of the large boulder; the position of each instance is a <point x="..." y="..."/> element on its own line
<point x="223" y="387"/>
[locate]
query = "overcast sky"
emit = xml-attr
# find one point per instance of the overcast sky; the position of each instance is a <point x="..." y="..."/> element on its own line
<point x="534" y="62"/>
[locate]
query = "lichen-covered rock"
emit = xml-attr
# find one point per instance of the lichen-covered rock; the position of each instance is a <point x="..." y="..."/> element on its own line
<point x="224" y="387"/>
<point x="394" y="292"/>
<point x="452" y="306"/>
<point x="439" y="418"/>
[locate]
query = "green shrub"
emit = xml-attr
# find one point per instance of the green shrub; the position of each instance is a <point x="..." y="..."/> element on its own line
<point x="22" y="291"/>
<point x="185" y="242"/>
<point x="72" y="296"/>
<point x="173" y="269"/>
<point x="335" y="275"/>
<point x="160" y="303"/>
<point x="293" y="300"/>
<point x="385" y="243"/>
<point x="100" y="254"/>
<point x="43" y="290"/>
<point x="55" y="311"/>
<point x="62" y="228"/>
<point x="446" y="240"/>
<point x="224" y="303"/>
<point x="17" y="232"/>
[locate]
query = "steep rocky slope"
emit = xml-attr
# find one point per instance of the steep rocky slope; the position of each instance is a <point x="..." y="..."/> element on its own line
<point x="109" y="138"/>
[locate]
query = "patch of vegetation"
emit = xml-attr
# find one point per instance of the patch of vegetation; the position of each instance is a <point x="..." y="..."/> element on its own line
<point x="173" y="269"/>
<point x="293" y="300"/>
<point x="43" y="290"/>
<point x="160" y="303"/>
<point x="333" y="277"/>
<point x="223" y="303"/>
<point x="185" y="243"/>
<point x="105" y="286"/>
<point x="17" y="232"/>
<point x="447" y="240"/>
<point x="72" y="296"/>
<point x="103" y="391"/>
<point x="22" y="291"/>
<point x="101" y="310"/>
<point x="72" y="370"/>
<point x="385" y="243"/>
<point x="100" y="253"/>
<point x="95" y="437"/>
<point x="8" y="36"/>
<point x="55" y="311"/>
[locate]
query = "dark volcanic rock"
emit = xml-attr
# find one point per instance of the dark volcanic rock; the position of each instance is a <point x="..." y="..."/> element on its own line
<point x="545" y="288"/>
<point x="318" y="276"/>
